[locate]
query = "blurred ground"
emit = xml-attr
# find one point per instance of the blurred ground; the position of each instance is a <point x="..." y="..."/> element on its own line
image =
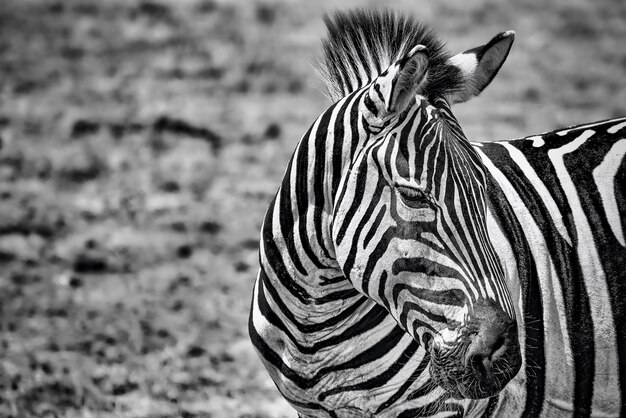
<point x="142" y="142"/>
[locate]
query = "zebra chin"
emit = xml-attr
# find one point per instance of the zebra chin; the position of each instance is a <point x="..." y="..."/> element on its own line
<point x="479" y="358"/>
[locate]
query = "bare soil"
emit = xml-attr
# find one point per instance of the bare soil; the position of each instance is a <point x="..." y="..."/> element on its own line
<point x="142" y="141"/>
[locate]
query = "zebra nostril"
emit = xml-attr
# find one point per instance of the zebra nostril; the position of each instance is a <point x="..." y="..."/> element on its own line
<point x="482" y="366"/>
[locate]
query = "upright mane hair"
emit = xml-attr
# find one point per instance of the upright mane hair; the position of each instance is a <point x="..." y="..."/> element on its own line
<point x="361" y="44"/>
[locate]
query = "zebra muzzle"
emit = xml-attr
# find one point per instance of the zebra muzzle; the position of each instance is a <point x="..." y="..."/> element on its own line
<point x="484" y="359"/>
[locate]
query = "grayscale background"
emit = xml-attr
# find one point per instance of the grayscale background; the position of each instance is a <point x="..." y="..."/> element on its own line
<point x="141" y="144"/>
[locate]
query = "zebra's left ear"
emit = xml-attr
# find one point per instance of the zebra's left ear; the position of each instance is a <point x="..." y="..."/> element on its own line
<point x="393" y="90"/>
<point x="480" y="65"/>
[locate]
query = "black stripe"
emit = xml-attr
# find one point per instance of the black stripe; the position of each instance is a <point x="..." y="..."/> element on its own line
<point x="355" y="204"/>
<point x="274" y="359"/>
<point x="580" y="165"/>
<point x="366" y="218"/>
<point x="310" y="327"/>
<point x="411" y="307"/>
<point x="568" y="271"/>
<point x="436" y="406"/>
<point x="425" y="266"/>
<point x="376" y="223"/>
<point x="275" y="256"/>
<point x="286" y="222"/>
<point x="302" y="188"/>
<point x="616" y="288"/>
<point x="370" y="105"/>
<point x="375" y="255"/>
<point x="386" y="344"/>
<point x="318" y="186"/>
<point x="338" y="141"/>
<point x="531" y="294"/>
<point x="405" y="386"/>
<point x="381" y="290"/>
<point x="369" y="321"/>
<point x="337" y="296"/>
<point x="378" y="92"/>
<point x="425" y="390"/>
<point x="379" y="380"/>
<point x="355" y="118"/>
<point x="491" y="407"/>
<point x="452" y="297"/>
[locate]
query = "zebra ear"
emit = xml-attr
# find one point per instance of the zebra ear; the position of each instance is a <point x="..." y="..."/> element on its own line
<point x="480" y="65"/>
<point x="393" y="90"/>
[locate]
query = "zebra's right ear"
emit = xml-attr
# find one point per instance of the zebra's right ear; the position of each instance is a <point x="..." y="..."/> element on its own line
<point x="480" y="65"/>
<point x="392" y="91"/>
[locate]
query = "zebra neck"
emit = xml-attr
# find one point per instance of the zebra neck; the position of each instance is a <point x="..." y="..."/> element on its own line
<point x="298" y="255"/>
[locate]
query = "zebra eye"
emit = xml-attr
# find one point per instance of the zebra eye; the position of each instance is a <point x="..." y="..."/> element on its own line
<point x="414" y="197"/>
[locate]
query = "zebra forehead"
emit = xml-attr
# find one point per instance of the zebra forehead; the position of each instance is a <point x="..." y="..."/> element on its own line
<point x="361" y="44"/>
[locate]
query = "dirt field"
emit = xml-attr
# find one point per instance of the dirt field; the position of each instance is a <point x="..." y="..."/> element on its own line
<point x="142" y="142"/>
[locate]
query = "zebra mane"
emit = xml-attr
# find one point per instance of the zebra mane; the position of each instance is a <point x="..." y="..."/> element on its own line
<point x="361" y="44"/>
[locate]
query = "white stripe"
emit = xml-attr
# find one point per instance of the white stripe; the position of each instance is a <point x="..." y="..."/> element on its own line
<point x="580" y="128"/>
<point x="299" y="218"/>
<point x="423" y="180"/>
<point x="546" y="197"/>
<point x="393" y="158"/>
<point x="460" y="170"/>
<point x="604" y="176"/>
<point x="454" y="243"/>
<point x="513" y="396"/>
<point x="613" y="129"/>
<point x="538" y="140"/>
<point x="412" y="146"/>
<point x="559" y="371"/>
<point x="606" y="383"/>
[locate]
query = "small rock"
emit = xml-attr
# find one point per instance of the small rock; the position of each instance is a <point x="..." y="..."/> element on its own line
<point x="210" y="227"/>
<point x="177" y="305"/>
<point x="154" y="10"/>
<point x="273" y="131"/>
<point x="6" y="257"/>
<point x="21" y="278"/>
<point x="178" y="226"/>
<point x="206" y="6"/>
<point x="84" y="127"/>
<point x="250" y="244"/>
<point x="242" y="266"/>
<point x="266" y="13"/>
<point x="75" y="282"/>
<point x="123" y="388"/>
<point x="178" y="282"/>
<point x="170" y="186"/>
<point x="90" y="263"/>
<point x="182" y="127"/>
<point x="118" y="130"/>
<point x="184" y="251"/>
<point x="195" y="351"/>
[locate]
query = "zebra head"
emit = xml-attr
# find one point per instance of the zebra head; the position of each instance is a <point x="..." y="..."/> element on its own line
<point x="410" y="218"/>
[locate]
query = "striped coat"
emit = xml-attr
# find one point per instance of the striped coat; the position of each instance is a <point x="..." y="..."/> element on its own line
<point x="405" y="272"/>
<point x="558" y="213"/>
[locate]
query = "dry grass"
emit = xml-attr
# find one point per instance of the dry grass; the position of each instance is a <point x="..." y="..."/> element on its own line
<point x="142" y="142"/>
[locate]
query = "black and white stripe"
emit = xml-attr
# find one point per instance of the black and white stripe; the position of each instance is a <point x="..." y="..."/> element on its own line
<point x="381" y="243"/>
<point x="558" y="204"/>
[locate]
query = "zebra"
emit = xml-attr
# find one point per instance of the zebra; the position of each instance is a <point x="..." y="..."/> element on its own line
<point x="405" y="271"/>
